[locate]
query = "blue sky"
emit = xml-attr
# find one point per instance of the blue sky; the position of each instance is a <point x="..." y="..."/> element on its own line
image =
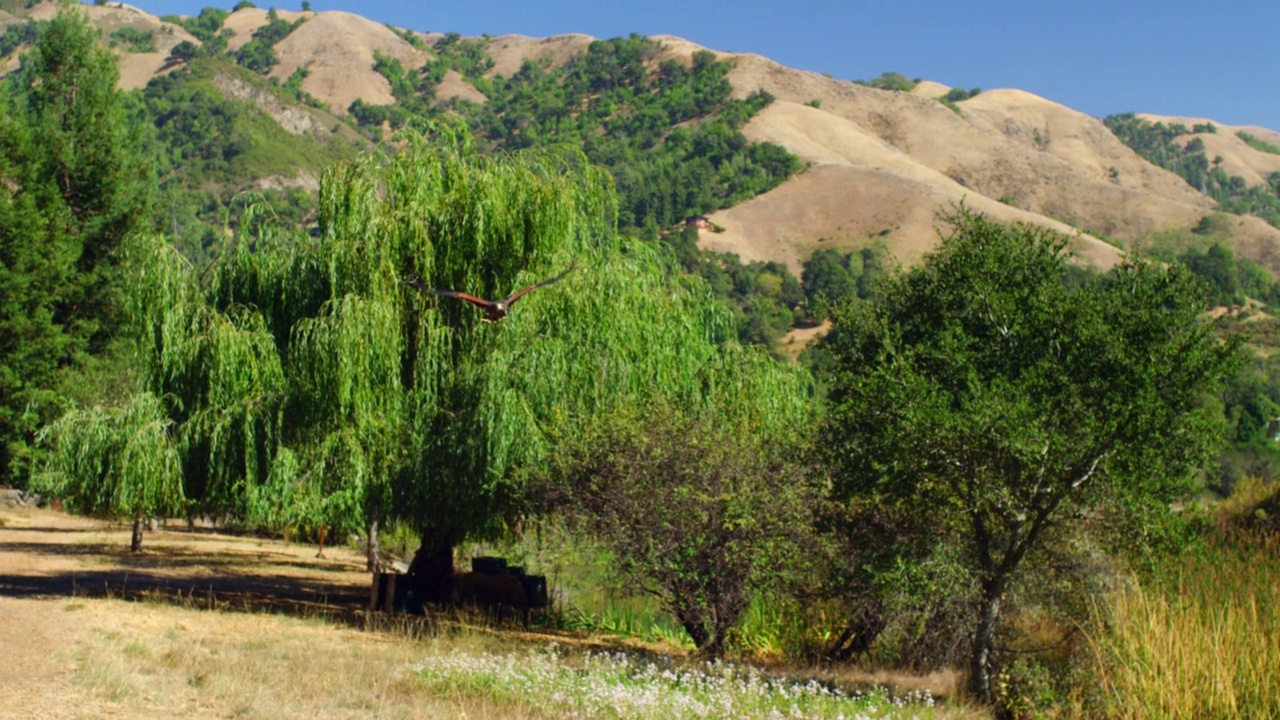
<point x="1219" y="60"/>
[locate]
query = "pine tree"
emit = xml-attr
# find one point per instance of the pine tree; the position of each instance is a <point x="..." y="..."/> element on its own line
<point x="73" y="185"/>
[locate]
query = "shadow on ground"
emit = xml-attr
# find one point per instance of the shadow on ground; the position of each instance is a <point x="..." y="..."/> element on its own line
<point x="187" y="568"/>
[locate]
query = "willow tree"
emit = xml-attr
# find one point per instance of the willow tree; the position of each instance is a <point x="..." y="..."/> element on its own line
<point x="114" y="462"/>
<point x="203" y="431"/>
<point x="311" y="384"/>
<point x="219" y="372"/>
<point x="444" y="442"/>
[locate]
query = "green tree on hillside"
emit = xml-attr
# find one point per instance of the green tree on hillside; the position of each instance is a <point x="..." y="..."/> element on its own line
<point x="890" y="81"/>
<point x="72" y="186"/>
<point x="1163" y="145"/>
<point x="987" y="396"/>
<point x="670" y="134"/>
<point x="259" y="54"/>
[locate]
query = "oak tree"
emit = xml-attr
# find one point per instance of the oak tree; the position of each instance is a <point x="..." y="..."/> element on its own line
<point x="992" y="398"/>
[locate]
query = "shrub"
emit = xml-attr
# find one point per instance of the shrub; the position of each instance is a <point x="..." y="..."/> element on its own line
<point x="698" y="514"/>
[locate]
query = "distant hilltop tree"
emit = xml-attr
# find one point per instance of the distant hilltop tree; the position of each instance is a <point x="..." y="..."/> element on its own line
<point x="890" y="81"/>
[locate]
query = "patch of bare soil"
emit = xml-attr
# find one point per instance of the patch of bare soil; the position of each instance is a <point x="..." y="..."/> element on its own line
<point x="797" y="340"/>
<point x="930" y="89"/>
<point x="51" y="564"/>
<point x="859" y="190"/>
<point x="454" y="85"/>
<point x="244" y="21"/>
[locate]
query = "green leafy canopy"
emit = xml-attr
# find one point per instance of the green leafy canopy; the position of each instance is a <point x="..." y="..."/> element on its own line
<point x="990" y="399"/>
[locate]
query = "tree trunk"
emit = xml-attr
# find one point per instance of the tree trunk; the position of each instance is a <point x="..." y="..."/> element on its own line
<point x="431" y="572"/>
<point x="374" y="549"/>
<point x="697" y="631"/>
<point x="321" y="532"/>
<point x="984" y="639"/>
<point x="135" y="544"/>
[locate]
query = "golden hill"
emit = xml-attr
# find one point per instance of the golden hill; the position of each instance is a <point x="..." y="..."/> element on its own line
<point x="881" y="164"/>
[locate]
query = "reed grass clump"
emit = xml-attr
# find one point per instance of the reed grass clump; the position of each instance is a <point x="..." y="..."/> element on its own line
<point x="1203" y="643"/>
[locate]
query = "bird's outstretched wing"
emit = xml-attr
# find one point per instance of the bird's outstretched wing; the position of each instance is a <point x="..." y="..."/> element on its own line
<point x="520" y="293"/>
<point x="462" y="296"/>
<point x="419" y="284"/>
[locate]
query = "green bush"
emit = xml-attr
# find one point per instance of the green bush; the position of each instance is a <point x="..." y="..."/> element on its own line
<point x="138" y="41"/>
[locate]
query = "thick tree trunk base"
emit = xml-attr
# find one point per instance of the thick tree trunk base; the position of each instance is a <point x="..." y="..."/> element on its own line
<point x="982" y="660"/>
<point x="431" y="574"/>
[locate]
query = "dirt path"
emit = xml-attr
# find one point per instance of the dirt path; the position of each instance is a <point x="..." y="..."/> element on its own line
<point x="35" y="660"/>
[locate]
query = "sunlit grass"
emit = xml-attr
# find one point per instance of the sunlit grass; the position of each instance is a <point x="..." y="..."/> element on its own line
<point x="1204" y="644"/>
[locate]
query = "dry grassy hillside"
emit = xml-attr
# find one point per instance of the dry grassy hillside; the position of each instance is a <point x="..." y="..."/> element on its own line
<point x="884" y="160"/>
<point x="511" y="51"/>
<point x="882" y="164"/>
<point x="338" y="49"/>
<point x="1238" y="158"/>
<point x="136" y="69"/>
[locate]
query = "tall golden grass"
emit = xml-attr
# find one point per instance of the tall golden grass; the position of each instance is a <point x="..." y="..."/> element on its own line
<point x="1204" y="643"/>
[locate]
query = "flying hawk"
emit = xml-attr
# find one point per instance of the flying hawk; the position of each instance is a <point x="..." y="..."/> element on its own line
<point x="494" y="310"/>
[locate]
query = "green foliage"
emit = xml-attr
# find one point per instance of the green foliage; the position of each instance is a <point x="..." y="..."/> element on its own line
<point x="955" y="95"/>
<point x="890" y="81"/>
<point x="71" y="188"/>
<point x="139" y="41"/>
<point x="763" y="296"/>
<point x="958" y="94"/>
<point x="831" y="276"/>
<point x="1157" y="143"/>
<point x="182" y="52"/>
<point x="213" y="147"/>
<point x="293" y="88"/>
<point x="468" y="57"/>
<point x="699" y="508"/>
<point x="16" y="35"/>
<point x="1217" y="269"/>
<point x="203" y="26"/>
<point x="622" y="112"/>
<point x="113" y="463"/>
<point x="669" y="135"/>
<point x="1258" y="143"/>
<point x="258" y="54"/>
<point x="985" y="392"/>
<point x="310" y="385"/>
<point x="1206" y="251"/>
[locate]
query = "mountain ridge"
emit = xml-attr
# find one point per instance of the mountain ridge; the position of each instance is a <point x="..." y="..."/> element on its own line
<point x="881" y="164"/>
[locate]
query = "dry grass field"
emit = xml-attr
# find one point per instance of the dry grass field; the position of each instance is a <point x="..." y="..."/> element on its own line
<point x="207" y="624"/>
<point x="204" y="624"/>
